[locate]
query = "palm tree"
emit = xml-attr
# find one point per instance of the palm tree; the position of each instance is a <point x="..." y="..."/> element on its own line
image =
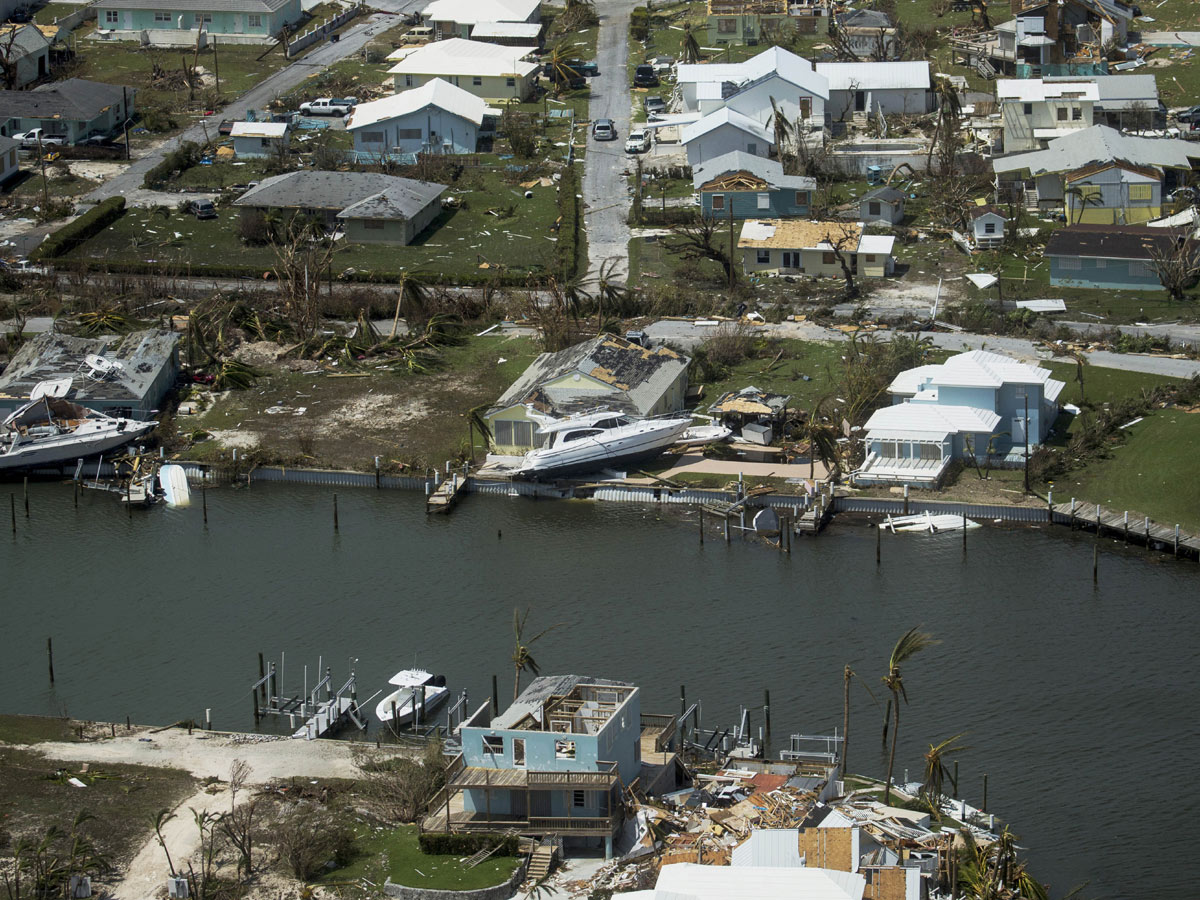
<point x="522" y="658"/>
<point x="785" y="131"/>
<point x="159" y="819"/>
<point x="690" y="50"/>
<point x="936" y="772"/>
<point x="1075" y="214"/>
<point x="822" y="437"/>
<point x="910" y="644"/>
<point x="847" y="674"/>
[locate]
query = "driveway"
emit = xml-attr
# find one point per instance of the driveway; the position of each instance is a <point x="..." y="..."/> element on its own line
<point x="605" y="191"/>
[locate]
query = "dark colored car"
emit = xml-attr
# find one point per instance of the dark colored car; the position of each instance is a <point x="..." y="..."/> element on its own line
<point x="645" y="76"/>
<point x="569" y="78"/>
<point x="1190" y="115"/>
<point x="654" y="106"/>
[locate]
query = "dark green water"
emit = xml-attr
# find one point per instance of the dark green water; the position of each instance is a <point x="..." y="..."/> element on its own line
<point x="1078" y="702"/>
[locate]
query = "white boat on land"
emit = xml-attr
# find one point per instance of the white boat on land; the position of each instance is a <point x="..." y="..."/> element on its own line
<point x="927" y="522"/>
<point x="406" y="700"/>
<point x="600" y="439"/>
<point x="50" y="429"/>
<point x="699" y="435"/>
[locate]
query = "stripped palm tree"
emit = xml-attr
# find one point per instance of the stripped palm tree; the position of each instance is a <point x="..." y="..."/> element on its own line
<point x="936" y="772"/>
<point x="910" y="644"/>
<point x="522" y="658"/>
<point x="689" y="51"/>
<point x="822" y="436"/>
<point x="785" y="130"/>
<point x="848" y="674"/>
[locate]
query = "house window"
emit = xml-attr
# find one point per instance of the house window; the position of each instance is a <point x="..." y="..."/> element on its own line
<point x="1099" y="263"/>
<point x="752" y="149"/>
<point x="254" y="21"/>
<point x="1076" y="114"/>
<point x="510" y="82"/>
<point x="372" y="137"/>
<point x="513" y="434"/>
<point x="110" y="17"/>
<point x="408" y="134"/>
<point x="1069" y="263"/>
<point x="1142" y="193"/>
<point x="1139" y="268"/>
<point x="931" y="451"/>
<point x="802" y="198"/>
<point x="564" y="749"/>
<point x="162" y="17"/>
<point x="806" y="107"/>
<point x="373" y="224"/>
<point x="873" y="207"/>
<point x="888" y="449"/>
<point x="718" y="201"/>
<point x="493" y="744"/>
<point x="764" y="201"/>
<point x="203" y="18"/>
<point x="1062" y="113"/>
<point x="791" y="259"/>
<point x="763" y="257"/>
<point x="989" y="227"/>
<point x="726" y="26"/>
<point x="519" y="752"/>
<point x="477" y="80"/>
<point x="827" y="258"/>
<point x="1020" y="392"/>
<point x="870" y="257"/>
<point x="408" y="82"/>
<point x="1027" y="109"/>
<point x="579" y="799"/>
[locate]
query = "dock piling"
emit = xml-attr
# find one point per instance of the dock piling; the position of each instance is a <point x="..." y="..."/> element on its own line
<point x="1072" y="513"/>
<point x="12" y="502"/>
<point x="767" y="712"/>
<point x="495" y="697"/>
<point x="1176" y="540"/>
<point x="878" y="545"/>
<point x="1095" y="564"/>
<point x="906" y="499"/>
<point x="726" y="527"/>
<point x="954" y="780"/>
<point x="208" y="719"/>
<point x="702" y="526"/>
<point x="964" y="531"/>
<point x="204" y="502"/>
<point x="984" y="807"/>
<point x="335" y="512"/>
<point x="26" y="489"/>
<point x="1147" y="526"/>
<point x="262" y="674"/>
<point x="50" y="657"/>
<point x="1127" y="526"/>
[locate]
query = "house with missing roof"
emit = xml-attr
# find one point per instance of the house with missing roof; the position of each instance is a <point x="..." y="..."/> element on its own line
<point x="73" y="109"/>
<point x="461" y="18"/>
<point x="977" y="405"/>
<point x="491" y="72"/>
<point x="557" y="761"/>
<point x="1113" y="257"/>
<point x="434" y="118"/>
<point x="1034" y="112"/>
<point x="742" y="22"/>
<point x="873" y="88"/>
<point x="740" y="185"/>
<point x="1040" y="178"/>
<point x="369" y="207"/>
<point x="606" y="371"/>
<point x="798" y="247"/>
<point x="259" y="140"/>
<point x="24" y="55"/>
<point x="169" y="21"/>
<point x="144" y="367"/>
<point x="868" y="33"/>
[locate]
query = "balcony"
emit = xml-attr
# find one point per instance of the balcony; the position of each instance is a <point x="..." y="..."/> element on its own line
<point x="479" y="777"/>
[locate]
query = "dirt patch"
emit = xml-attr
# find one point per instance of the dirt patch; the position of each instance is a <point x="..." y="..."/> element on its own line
<point x="375" y="412"/>
<point x="242" y="440"/>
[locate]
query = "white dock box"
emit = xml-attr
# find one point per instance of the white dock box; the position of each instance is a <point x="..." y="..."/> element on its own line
<point x="757" y="434"/>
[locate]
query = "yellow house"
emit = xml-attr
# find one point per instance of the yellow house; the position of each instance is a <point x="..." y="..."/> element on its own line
<point x="1112" y="193"/>
<point x="489" y="71"/>
<point x="606" y="371"/>
<point x="792" y="247"/>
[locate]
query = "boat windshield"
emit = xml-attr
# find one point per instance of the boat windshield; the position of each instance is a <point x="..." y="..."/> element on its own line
<point x="578" y="435"/>
<point x="614" y="422"/>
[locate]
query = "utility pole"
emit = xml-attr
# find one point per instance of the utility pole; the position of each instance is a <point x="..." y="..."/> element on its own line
<point x="731" y="247"/>
<point x="45" y="186"/>
<point x="125" y="117"/>
<point x="216" y="67"/>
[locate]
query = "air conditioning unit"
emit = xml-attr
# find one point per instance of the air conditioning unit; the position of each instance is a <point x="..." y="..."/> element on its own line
<point x="177" y="888"/>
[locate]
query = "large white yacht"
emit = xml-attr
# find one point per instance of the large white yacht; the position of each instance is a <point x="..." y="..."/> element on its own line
<point x="600" y="439"/>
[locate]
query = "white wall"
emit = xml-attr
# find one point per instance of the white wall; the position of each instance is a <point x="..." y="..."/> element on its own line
<point x="755" y="102"/>
<point x="725" y="139"/>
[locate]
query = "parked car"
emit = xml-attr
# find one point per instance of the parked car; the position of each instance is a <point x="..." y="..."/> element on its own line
<point x="560" y="75"/>
<point x="324" y="106"/>
<point x="638" y="142"/>
<point x="604" y="130"/>
<point x="421" y="34"/>
<point x="25" y="267"/>
<point x="202" y="209"/>
<point x="29" y="140"/>
<point x="21" y="15"/>
<point x="645" y="76"/>
<point x="1190" y="115"/>
<point x="654" y="106"/>
<point x="98" y="140"/>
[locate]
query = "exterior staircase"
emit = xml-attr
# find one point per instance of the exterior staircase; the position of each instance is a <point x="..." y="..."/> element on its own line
<point x="541" y="861"/>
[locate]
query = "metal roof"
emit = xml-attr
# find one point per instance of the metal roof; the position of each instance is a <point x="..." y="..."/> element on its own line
<point x="542" y="689"/>
<point x="696" y="882"/>
<point x="28" y="39"/>
<point x="1120" y="91"/>
<point x="725" y="116"/>
<point x="470" y="12"/>
<point x="910" y="380"/>
<point x="75" y="99"/>
<point x="314" y="189"/>
<point x="527" y="30"/>
<point x="876" y="76"/>
<point x="1100" y="143"/>
<point x="400" y="201"/>
<point x="438" y="92"/>
<point x="793" y="69"/>
<point x="259" y="129"/>
<point x="769" y="170"/>
<point x="921" y="421"/>
<point x="234" y="6"/>
<point x="1030" y="89"/>
<point x="884" y="194"/>
<point x="458" y="56"/>
<point x="776" y="848"/>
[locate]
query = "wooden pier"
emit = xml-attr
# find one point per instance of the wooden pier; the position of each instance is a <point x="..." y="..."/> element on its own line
<point x="320" y="716"/>
<point x="446" y="494"/>
<point x="1113" y="523"/>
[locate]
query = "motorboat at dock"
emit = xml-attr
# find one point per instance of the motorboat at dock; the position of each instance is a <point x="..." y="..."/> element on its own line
<point x="417" y="693"/>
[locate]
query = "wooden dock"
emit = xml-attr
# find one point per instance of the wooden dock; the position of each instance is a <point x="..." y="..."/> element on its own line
<point x="446" y="494"/>
<point x="1113" y="523"/>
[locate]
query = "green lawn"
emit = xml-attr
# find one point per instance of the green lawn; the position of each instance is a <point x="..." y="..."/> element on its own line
<point x="821" y="362"/>
<point x="221" y="175"/>
<point x="51" y="11"/>
<point x="456" y="244"/>
<point x="396" y="855"/>
<point x="34" y="729"/>
<point x="1102" y="384"/>
<point x="1153" y="473"/>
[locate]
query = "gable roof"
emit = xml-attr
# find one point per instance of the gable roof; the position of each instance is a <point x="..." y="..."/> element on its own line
<point x="1112" y="241"/>
<point x="439" y="93"/>
<point x="74" y="99"/>
<point x="982" y="368"/>
<point x="885" y="194"/>
<point x="1124" y="164"/>
<point x="469" y="12"/>
<point x="876" y="76"/>
<point x="1099" y="143"/>
<point x="398" y="201"/>
<point x="529" y="31"/>
<point x="691" y="881"/>
<point x="458" y="56"/>
<point x="1119" y="91"/>
<point x="865" y="18"/>
<point x="923" y="421"/>
<point x="797" y="234"/>
<point x="978" y="212"/>
<point x="28" y="39"/>
<point x="259" y="129"/>
<point x="315" y="189"/>
<point x="235" y="6"/>
<point x="794" y="69"/>
<point x="639" y="377"/>
<point x="769" y="170"/>
<point x="725" y="116"/>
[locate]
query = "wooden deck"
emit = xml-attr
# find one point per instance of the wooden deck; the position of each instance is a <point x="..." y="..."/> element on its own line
<point x="446" y="494"/>
<point x="478" y="777"/>
<point x="1114" y="523"/>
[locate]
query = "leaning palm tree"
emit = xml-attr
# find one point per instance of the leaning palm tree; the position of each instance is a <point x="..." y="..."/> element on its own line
<point x="847" y="674"/>
<point x="522" y="658"/>
<point x="159" y="819"/>
<point x="910" y="644"/>
<point x="936" y="772"/>
<point x="822" y="437"/>
<point x="784" y="129"/>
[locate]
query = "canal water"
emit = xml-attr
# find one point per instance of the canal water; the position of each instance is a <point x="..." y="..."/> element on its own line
<point x="1077" y="701"/>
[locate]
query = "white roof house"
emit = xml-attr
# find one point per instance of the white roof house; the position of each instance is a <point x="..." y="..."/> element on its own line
<point x="979" y="368"/>
<point x="471" y="12"/>
<point x="1033" y="90"/>
<point x="259" y="130"/>
<point x="926" y="421"/>
<point x="773" y="61"/>
<point x="1100" y="144"/>
<point x="439" y="93"/>
<point x="458" y="56"/>
<point x="722" y="132"/>
<point x="527" y="32"/>
<point x="872" y="76"/>
<point x="690" y="881"/>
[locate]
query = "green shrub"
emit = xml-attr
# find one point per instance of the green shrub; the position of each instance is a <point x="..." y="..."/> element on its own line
<point x="639" y="23"/>
<point x="437" y="843"/>
<point x="79" y="230"/>
<point x="566" y="251"/>
<point x="173" y="164"/>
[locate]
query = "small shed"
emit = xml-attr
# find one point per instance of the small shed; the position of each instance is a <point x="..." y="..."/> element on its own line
<point x="758" y="414"/>
<point x="257" y="140"/>
<point x="884" y="204"/>
<point x="987" y="226"/>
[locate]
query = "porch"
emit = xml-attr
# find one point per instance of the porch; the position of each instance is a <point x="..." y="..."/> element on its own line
<point x="879" y="469"/>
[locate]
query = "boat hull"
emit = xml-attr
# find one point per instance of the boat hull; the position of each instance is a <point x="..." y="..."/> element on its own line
<point x="405" y="699"/>
<point x="603" y="452"/>
<point x="72" y="446"/>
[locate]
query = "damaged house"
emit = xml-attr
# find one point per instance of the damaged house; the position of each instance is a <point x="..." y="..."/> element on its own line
<point x="606" y="371"/>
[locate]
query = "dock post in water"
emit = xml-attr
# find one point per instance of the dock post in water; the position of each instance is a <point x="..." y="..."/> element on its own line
<point x="954" y="780"/>
<point x="767" y="712"/>
<point x="50" y="657"/>
<point x="702" y="526"/>
<point x="1176" y="540"/>
<point x="1147" y="525"/>
<point x="262" y="674"/>
<point x="964" y="531"/>
<point x="1095" y="564"/>
<point x="726" y="527"/>
<point x="1072" y="513"/>
<point x="1050" y="507"/>
<point x="878" y="544"/>
<point x="1127" y="526"/>
<point x="495" y="697"/>
<point x="377" y="473"/>
<point x="12" y="502"/>
<point x="984" y="807"/>
<point x="204" y="502"/>
<point x="335" y="514"/>
<point x="26" y="488"/>
<point x="906" y="499"/>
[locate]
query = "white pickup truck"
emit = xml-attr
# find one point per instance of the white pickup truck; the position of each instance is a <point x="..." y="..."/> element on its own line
<point x="326" y="106"/>
<point x="29" y="140"/>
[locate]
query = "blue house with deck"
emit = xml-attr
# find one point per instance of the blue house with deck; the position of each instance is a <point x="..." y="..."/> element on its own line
<point x="753" y="187"/>
<point x="555" y="762"/>
<point x="975" y="406"/>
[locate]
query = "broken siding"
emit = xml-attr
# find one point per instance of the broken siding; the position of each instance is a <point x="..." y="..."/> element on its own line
<point x="828" y="848"/>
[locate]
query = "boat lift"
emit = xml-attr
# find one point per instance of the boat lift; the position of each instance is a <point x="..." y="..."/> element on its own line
<point x="320" y="716"/>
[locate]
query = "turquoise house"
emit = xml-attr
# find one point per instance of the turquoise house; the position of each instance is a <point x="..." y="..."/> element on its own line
<point x="555" y="762"/>
<point x="975" y="406"/>
<point x="752" y="187"/>
<point x="249" y="18"/>
<point x="1111" y="257"/>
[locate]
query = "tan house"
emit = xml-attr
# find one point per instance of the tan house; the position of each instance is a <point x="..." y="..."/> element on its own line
<point x="489" y="71"/>
<point x="792" y="247"/>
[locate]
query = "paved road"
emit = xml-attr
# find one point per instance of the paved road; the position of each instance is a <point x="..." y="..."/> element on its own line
<point x="605" y="192"/>
<point x="688" y="335"/>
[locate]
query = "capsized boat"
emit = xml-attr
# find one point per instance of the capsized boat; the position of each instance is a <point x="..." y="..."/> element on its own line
<point x="50" y="429"/>
<point x="927" y="522"/>
<point x="406" y="699"/>
<point x="600" y="439"/>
